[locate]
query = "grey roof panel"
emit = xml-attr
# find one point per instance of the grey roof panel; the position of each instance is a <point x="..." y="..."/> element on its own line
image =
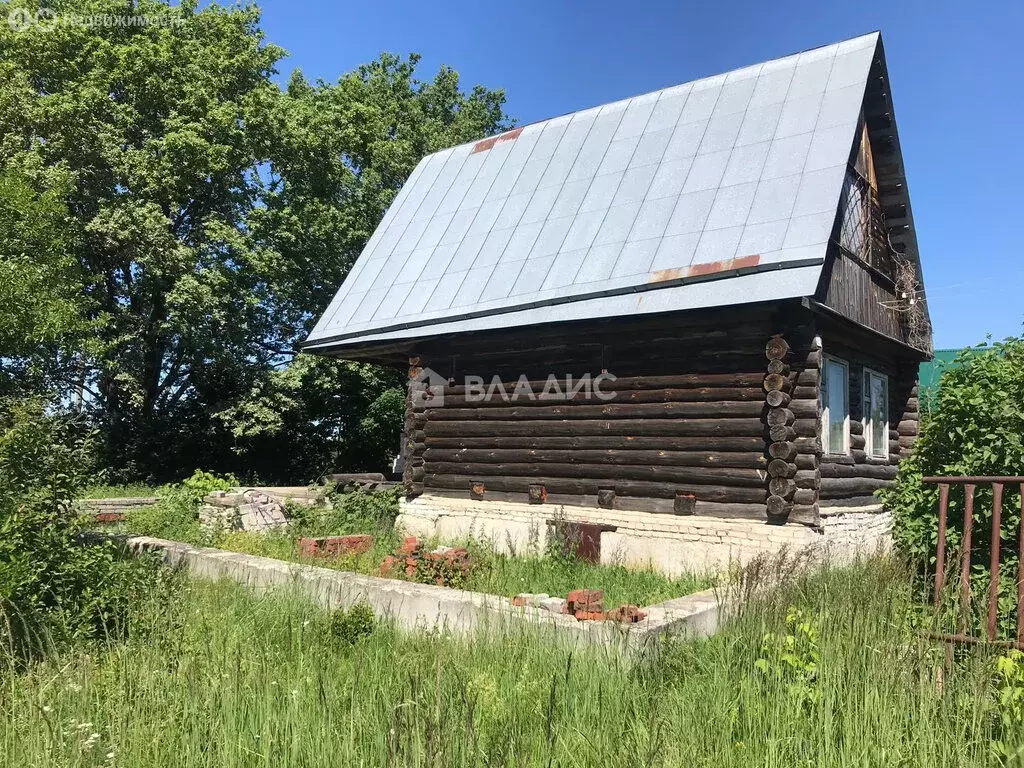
<point x="770" y="286"/>
<point x="636" y="258"/>
<point x="531" y="276"/>
<point x="600" y="201"/>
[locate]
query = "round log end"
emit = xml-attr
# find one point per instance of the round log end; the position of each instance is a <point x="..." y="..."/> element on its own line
<point x="777" y="507"/>
<point x="776" y="348"/>
<point x="780" y="468"/>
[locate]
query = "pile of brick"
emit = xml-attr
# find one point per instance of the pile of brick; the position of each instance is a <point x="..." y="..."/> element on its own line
<point x="407" y="556"/>
<point x="335" y="546"/>
<point x="586" y="604"/>
<point x="583" y="604"/>
<point x="443" y="566"/>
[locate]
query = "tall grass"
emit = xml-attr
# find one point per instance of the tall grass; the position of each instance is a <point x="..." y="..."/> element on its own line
<point x="221" y="677"/>
<point x="496" y="573"/>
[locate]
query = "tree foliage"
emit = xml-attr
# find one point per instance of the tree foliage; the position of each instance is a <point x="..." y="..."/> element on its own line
<point x="976" y="428"/>
<point x="52" y="589"/>
<point x="194" y="218"/>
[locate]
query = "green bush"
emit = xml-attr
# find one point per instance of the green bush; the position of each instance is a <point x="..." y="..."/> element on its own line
<point x="349" y="513"/>
<point x="352" y="625"/>
<point x="977" y="428"/>
<point x="54" y="589"/>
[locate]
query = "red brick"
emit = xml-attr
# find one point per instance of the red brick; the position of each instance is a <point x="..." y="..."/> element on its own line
<point x="389" y="566"/>
<point x="591" y="615"/>
<point x="348" y="545"/>
<point x="110" y="517"/>
<point x="411" y="546"/>
<point x="309" y="547"/>
<point x="588" y="600"/>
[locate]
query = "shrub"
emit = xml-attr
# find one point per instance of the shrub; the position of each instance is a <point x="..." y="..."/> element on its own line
<point x="349" y="513"/>
<point x="52" y="588"/>
<point x="977" y="428"/>
<point x="352" y="625"/>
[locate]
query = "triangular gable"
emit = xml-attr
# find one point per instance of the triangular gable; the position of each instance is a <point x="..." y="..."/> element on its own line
<point x="874" y="227"/>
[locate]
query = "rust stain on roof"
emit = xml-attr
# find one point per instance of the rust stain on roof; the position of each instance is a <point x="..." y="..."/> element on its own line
<point x="668" y="274"/>
<point x="708" y="268"/>
<point x="486" y="144"/>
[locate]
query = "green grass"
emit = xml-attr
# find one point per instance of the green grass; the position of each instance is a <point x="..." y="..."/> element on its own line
<point x="221" y="677"/>
<point x="500" y="574"/>
<point x="493" y="573"/>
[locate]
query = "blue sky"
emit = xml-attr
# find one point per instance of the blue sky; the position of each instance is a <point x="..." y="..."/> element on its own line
<point x="956" y="74"/>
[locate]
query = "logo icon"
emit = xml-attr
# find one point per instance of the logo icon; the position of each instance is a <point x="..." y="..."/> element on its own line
<point x="46" y="18"/>
<point x="20" y="19"/>
<point x="428" y="389"/>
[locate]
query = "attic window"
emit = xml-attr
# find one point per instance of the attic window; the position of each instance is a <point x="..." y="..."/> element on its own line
<point x="863" y="234"/>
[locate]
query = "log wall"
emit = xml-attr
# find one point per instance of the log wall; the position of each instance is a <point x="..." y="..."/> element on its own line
<point x="853" y="478"/>
<point x="714" y="413"/>
<point x="697" y="402"/>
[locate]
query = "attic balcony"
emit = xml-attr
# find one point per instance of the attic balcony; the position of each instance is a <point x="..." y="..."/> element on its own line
<point x="863" y="235"/>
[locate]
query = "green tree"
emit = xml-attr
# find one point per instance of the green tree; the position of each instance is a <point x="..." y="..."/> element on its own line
<point x="210" y="217"/>
<point x="41" y="308"/>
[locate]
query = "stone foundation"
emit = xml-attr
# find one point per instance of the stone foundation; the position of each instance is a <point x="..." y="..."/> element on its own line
<point x="672" y="544"/>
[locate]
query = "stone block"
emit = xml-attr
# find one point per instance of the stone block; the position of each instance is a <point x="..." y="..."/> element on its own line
<point x="627" y="614"/>
<point x="552" y="604"/>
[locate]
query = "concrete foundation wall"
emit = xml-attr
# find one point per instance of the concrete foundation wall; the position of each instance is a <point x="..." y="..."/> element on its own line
<point x="415" y="606"/>
<point x="672" y="544"/>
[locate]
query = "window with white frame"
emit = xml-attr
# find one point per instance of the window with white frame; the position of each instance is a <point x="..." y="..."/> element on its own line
<point x="835" y="400"/>
<point x="876" y="413"/>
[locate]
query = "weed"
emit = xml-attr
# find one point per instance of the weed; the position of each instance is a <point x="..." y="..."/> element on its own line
<point x="351" y="625"/>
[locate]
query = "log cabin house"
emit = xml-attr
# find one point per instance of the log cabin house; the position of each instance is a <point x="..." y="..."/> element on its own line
<point x="736" y="255"/>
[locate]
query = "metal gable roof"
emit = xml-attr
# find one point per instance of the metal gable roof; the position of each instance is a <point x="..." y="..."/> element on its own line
<point x="719" y="191"/>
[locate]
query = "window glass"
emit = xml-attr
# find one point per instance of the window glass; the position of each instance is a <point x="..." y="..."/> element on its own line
<point x="876" y="413"/>
<point x="835" y="405"/>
